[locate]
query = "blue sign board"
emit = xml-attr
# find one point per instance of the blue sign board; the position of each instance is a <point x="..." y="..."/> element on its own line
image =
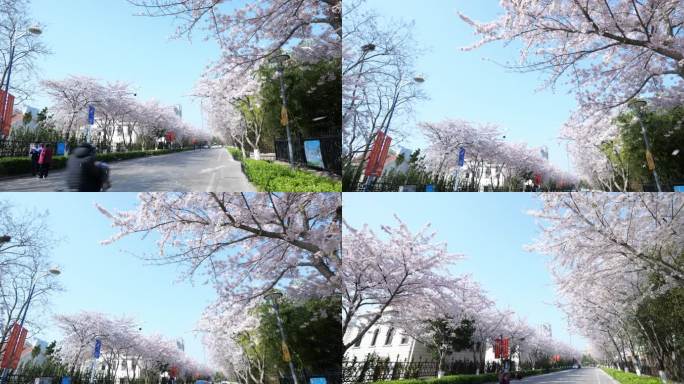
<point x="429" y="188"/>
<point x="461" y="157"/>
<point x="312" y="151"/>
<point x="679" y="188"/>
<point x="98" y="345"/>
<point x="91" y="114"/>
<point x="60" y="149"/>
<point x="66" y="380"/>
<point x="317" y="380"/>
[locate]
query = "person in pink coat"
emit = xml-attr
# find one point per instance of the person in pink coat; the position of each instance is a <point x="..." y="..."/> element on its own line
<point x="44" y="161"/>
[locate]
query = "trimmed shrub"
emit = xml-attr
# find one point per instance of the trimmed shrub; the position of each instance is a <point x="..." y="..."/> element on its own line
<point x="271" y="177"/>
<point x="630" y="378"/>
<point x="11" y="166"/>
<point x="455" y="379"/>
<point x="236" y="153"/>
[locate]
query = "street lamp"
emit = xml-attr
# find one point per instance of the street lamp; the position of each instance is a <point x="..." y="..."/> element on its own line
<point x="637" y="106"/>
<point x="33" y="30"/>
<point x="274" y="296"/>
<point x="280" y="60"/>
<point x="54" y="271"/>
<point x="418" y="79"/>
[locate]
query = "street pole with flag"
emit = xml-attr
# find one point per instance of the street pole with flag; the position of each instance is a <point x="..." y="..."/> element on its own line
<point x="96" y="355"/>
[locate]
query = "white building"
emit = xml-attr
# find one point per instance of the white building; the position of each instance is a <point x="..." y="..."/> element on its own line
<point x="388" y="342"/>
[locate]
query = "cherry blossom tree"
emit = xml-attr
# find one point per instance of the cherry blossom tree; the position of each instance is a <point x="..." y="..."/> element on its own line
<point x="117" y="112"/>
<point x="24" y="257"/>
<point x="487" y="155"/>
<point x="378" y="73"/>
<point x="71" y="97"/>
<point x="236" y="108"/>
<point x="587" y="229"/>
<point x="121" y="342"/>
<point x="399" y="278"/>
<point x="246" y="244"/>
<point x="611" y="51"/>
<point x="259" y="28"/>
<point x="14" y="22"/>
<point x="611" y="254"/>
<point x="228" y="334"/>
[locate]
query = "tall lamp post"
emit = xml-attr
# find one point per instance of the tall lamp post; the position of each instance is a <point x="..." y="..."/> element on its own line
<point x="34" y="30"/>
<point x="52" y="271"/>
<point x="637" y="106"/>
<point x="284" y="118"/>
<point x="418" y="79"/>
<point x="274" y="296"/>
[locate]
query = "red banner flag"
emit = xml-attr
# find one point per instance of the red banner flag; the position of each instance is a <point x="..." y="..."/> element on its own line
<point x="375" y="153"/>
<point x="497" y="348"/>
<point x="16" y="342"/>
<point x="8" y="109"/>
<point x="20" y="348"/>
<point x="380" y="164"/>
<point x="505" y="348"/>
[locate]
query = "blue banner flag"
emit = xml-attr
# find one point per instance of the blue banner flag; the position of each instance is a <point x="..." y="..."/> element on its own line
<point x="91" y="114"/>
<point x="461" y="157"/>
<point x="98" y="345"/>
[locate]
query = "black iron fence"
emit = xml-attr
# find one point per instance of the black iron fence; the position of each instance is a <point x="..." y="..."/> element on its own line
<point x="330" y="152"/>
<point x="372" y="370"/>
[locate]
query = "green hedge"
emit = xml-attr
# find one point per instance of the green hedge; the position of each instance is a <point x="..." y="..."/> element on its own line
<point x="11" y="166"/>
<point x="630" y="378"/>
<point x="236" y="153"/>
<point x="268" y="176"/>
<point x="475" y="379"/>
<point x="456" y="379"/>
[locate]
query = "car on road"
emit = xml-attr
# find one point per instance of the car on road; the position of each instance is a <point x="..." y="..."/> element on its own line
<point x="576" y="366"/>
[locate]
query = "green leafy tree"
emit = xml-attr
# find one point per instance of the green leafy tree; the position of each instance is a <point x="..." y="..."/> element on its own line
<point x="448" y="337"/>
<point x="314" y="103"/>
<point x="313" y="330"/>
<point x="665" y="129"/>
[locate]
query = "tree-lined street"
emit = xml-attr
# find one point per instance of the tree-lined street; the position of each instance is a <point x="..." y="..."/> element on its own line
<point x="544" y="283"/>
<point x="195" y="170"/>
<point x="123" y="303"/>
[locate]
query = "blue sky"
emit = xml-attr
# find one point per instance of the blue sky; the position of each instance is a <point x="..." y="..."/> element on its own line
<point x="468" y="85"/>
<point x="111" y="279"/>
<point x="103" y="39"/>
<point x="491" y="231"/>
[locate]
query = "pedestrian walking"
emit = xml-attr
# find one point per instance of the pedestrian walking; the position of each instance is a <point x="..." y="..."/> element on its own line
<point x="44" y="161"/>
<point x="34" y="153"/>
<point x="84" y="174"/>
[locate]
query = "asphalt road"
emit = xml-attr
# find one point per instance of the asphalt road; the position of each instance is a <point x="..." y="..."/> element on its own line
<point x="206" y="170"/>
<point x="572" y="376"/>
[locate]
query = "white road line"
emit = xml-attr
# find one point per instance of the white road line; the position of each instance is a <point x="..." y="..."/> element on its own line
<point x="212" y="181"/>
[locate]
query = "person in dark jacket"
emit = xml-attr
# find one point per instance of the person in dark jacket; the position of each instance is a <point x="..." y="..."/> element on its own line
<point x="44" y="161"/>
<point x="83" y="174"/>
<point x="34" y="153"/>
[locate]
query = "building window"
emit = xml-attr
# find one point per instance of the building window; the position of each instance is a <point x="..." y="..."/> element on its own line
<point x="358" y="342"/>
<point x="375" y="337"/>
<point x="404" y="339"/>
<point x="390" y="336"/>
